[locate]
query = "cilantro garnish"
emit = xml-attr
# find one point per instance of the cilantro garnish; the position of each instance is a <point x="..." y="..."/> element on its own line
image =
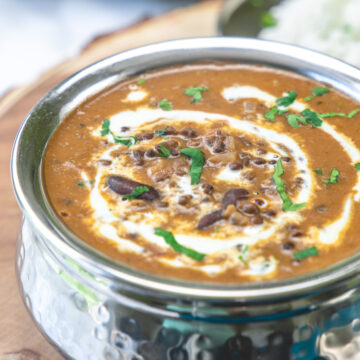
<point x="105" y="128"/>
<point x="294" y="119"/>
<point x="333" y="178"/>
<point x="141" y="81"/>
<point x="340" y="114"/>
<point x="170" y="240"/>
<point x="85" y="183"/>
<point x="270" y="115"/>
<point x="319" y="91"/>
<point x="164" y="151"/>
<point x="125" y="140"/>
<point x="313" y="251"/>
<point x="311" y="117"/>
<point x="195" y="92"/>
<point x="244" y="250"/>
<point x="161" y="132"/>
<point x="136" y="192"/>
<point x="268" y="20"/>
<point x="287" y="100"/>
<point x="318" y="171"/>
<point x="257" y="3"/>
<point x="288" y="205"/>
<point x="197" y="163"/>
<point x="357" y="166"/>
<point x="165" y="105"/>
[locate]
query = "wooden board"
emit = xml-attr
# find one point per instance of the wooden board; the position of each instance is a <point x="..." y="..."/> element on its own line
<point x="19" y="338"/>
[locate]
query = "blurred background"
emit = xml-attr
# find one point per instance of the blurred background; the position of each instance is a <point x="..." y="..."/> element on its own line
<point x="38" y="34"/>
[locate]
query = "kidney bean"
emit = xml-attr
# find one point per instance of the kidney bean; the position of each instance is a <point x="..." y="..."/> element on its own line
<point x="288" y="245"/>
<point x="269" y="213"/>
<point x="249" y="209"/>
<point x="235" y="166"/>
<point x="104" y="162"/>
<point x="245" y="141"/>
<point x="207" y="188"/>
<point x="125" y="129"/>
<point x="232" y="195"/>
<point x="209" y="219"/>
<point x="184" y="199"/>
<point x="170" y="130"/>
<point x="219" y="145"/>
<point x="237" y="219"/>
<point x="257" y="220"/>
<point x="124" y="186"/>
<point x="145" y="136"/>
<point x="286" y="159"/>
<point x="259" y="161"/>
<point x="162" y="174"/>
<point x="321" y="208"/>
<point x="249" y="106"/>
<point x="188" y="132"/>
<point x="150" y="153"/>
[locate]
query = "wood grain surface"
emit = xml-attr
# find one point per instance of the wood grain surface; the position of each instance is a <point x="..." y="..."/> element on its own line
<point x="19" y="338"/>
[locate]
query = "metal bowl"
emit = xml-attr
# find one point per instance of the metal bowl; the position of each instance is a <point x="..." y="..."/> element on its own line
<point x="93" y="308"/>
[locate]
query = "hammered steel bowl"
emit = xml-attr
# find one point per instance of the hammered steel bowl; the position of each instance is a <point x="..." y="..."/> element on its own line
<point x="90" y="307"/>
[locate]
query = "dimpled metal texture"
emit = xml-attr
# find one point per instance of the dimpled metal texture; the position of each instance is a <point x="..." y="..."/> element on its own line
<point x="85" y="324"/>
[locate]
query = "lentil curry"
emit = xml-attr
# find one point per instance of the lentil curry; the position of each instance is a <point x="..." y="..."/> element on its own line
<point x="212" y="172"/>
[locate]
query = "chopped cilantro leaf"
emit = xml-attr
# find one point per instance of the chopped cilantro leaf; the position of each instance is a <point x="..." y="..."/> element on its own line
<point x="357" y="166"/>
<point x="85" y="183"/>
<point x="287" y="100"/>
<point x="333" y="178"/>
<point x="294" y="119"/>
<point x="125" y="140"/>
<point x="195" y="92"/>
<point x="136" y="192"/>
<point x="164" y="152"/>
<point x="244" y="250"/>
<point x="141" y="81"/>
<point x="165" y="105"/>
<point x="318" y="171"/>
<point x="197" y="163"/>
<point x="303" y="254"/>
<point x="353" y="113"/>
<point x="319" y="91"/>
<point x="105" y="127"/>
<point x="288" y="205"/>
<point x="270" y="115"/>
<point x="170" y="240"/>
<point x="340" y="114"/>
<point x="311" y="117"/>
<point x="268" y="20"/>
<point x="161" y="132"/>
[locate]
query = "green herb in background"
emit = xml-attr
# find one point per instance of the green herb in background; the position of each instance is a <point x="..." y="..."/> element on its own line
<point x="268" y="20"/>
<point x="136" y="192"/>
<point x="165" y="105"/>
<point x="303" y="254"/>
<point x="288" y="205"/>
<point x="195" y="92"/>
<point x="197" y="163"/>
<point x="170" y="240"/>
<point x="333" y="178"/>
<point x="318" y="171"/>
<point x="357" y="166"/>
<point x="319" y="91"/>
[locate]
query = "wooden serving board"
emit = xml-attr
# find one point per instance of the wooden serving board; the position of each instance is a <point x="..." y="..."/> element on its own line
<point x="19" y="338"/>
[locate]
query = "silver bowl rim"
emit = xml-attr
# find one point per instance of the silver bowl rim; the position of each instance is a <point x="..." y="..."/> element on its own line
<point x="339" y="273"/>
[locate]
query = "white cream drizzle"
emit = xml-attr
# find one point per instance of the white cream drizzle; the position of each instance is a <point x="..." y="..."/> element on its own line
<point x="105" y="221"/>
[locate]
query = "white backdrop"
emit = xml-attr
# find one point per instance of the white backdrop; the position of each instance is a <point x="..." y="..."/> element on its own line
<point x="37" y="34"/>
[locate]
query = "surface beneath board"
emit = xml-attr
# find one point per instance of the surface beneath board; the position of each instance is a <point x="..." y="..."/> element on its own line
<point x="19" y="338"/>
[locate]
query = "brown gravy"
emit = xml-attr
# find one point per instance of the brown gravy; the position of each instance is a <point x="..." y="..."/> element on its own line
<point x="237" y="222"/>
